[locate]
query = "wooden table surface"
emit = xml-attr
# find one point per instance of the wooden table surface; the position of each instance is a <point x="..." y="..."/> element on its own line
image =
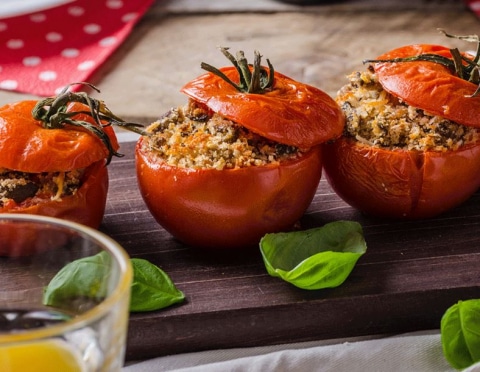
<point x="411" y="272"/>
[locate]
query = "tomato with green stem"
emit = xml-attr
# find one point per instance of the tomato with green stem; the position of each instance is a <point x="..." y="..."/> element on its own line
<point x="234" y="207"/>
<point x="48" y="140"/>
<point x="398" y="182"/>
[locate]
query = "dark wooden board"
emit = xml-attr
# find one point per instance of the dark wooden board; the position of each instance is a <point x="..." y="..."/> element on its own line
<point x="412" y="272"/>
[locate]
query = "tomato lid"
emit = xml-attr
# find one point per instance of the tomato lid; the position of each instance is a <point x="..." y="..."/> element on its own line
<point x="25" y="145"/>
<point x="430" y="85"/>
<point x="287" y="111"/>
<point x="62" y="133"/>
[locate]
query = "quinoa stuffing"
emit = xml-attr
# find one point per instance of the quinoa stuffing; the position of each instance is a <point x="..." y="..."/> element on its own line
<point x="32" y="188"/>
<point x="375" y="117"/>
<point x="194" y="137"/>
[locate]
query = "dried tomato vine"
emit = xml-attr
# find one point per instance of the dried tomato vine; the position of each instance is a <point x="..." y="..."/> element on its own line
<point x="52" y="112"/>
<point x="253" y="78"/>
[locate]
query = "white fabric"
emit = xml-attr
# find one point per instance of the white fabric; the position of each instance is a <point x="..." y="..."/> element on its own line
<point x="417" y="352"/>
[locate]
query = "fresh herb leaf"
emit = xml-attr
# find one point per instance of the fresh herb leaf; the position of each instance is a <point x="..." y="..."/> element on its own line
<point x="317" y="258"/>
<point x="460" y="334"/>
<point x="80" y="279"/>
<point x="152" y="288"/>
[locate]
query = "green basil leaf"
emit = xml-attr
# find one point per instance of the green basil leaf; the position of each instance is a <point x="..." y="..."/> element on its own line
<point x="317" y="258"/>
<point x="152" y="288"/>
<point x="80" y="279"/>
<point x="460" y="333"/>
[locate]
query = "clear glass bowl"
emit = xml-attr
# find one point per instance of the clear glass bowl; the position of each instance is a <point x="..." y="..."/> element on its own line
<point x="90" y="327"/>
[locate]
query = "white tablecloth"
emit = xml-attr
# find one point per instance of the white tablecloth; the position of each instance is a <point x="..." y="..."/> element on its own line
<point x="414" y="352"/>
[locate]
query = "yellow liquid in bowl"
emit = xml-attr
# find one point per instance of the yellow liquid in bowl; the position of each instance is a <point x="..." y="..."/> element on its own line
<point x="40" y="356"/>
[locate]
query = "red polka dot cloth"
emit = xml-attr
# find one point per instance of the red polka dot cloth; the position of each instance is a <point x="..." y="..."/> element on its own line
<point x="43" y="51"/>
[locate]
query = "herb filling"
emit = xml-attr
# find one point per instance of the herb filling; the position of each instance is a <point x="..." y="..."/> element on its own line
<point x="194" y="137"/>
<point x="33" y="188"/>
<point x="377" y="118"/>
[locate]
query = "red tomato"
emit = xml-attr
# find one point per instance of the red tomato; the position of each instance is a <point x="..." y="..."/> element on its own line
<point x="231" y="208"/>
<point x="234" y="208"/>
<point x="401" y="184"/>
<point x="27" y="146"/>
<point x="86" y="206"/>
<point x="19" y="239"/>
<point x="398" y="183"/>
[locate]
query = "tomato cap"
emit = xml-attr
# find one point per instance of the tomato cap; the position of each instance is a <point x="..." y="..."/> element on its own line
<point x="290" y="113"/>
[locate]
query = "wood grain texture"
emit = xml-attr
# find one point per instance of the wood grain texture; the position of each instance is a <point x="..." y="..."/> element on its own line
<point x="411" y="273"/>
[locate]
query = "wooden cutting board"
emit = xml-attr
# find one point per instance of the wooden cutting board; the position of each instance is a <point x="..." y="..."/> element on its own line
<point x="412" y="272"/>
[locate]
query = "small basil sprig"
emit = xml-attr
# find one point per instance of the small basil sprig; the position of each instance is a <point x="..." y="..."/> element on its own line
<point x="460" y="334"/>
<point x="152" y="289"/>
<point x="80" y="279"/>
<point x="317" y="258"/>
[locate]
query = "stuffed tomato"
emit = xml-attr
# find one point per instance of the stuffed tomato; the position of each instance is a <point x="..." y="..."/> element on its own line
<point x="53" y="157"/>
<point x="411" y="144"/>
<point x="241" y="159"/>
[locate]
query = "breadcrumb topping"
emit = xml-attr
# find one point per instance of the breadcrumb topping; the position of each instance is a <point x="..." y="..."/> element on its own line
<point x="377" y="118"/>
<point x="194" y="137"/>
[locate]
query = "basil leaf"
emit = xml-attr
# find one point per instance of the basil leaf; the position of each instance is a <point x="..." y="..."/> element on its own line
<point x="79" y="279"/>
<point x="317" y="258"/>
<point x="152" y="288"/>
<point x="460" y="333"/>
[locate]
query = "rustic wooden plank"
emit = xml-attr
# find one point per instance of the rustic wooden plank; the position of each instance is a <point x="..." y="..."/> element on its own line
<point x="411" y="273"/>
